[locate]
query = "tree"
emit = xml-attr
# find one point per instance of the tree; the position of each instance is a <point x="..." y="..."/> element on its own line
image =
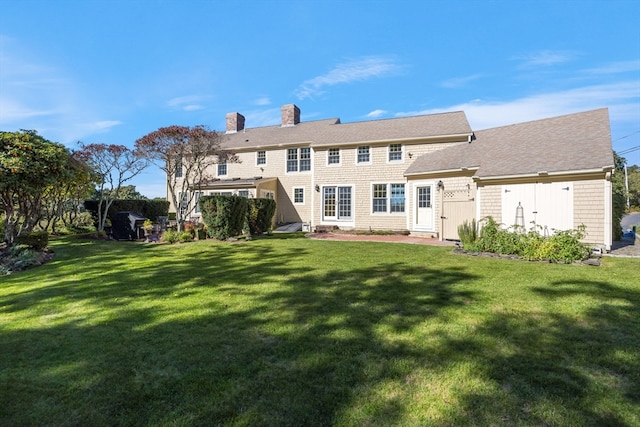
<point x="633" y="173"/>
<point x="62" y="201"/>
<point x="114" y="165"/>
<point x="29" y="164"/>
<point x="184" y="154"/>
<point x="127" y="192"/>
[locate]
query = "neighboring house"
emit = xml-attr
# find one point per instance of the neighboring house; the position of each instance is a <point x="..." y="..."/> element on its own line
<point x="426" y="174"/>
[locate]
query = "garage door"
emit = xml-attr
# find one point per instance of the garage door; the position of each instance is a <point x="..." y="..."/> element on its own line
<point x="548" y="205"/>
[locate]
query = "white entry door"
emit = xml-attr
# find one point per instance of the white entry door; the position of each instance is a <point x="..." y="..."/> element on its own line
<point x="424" y="207"/>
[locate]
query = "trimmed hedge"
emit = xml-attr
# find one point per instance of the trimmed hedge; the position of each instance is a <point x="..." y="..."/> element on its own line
<point x="228" y="216"/>
<point x="261" y="213"/>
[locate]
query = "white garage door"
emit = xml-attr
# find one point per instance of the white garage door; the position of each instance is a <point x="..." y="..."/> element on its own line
<point x="547" y="205"/>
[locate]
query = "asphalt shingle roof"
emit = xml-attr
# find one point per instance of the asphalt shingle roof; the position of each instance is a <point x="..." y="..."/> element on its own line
<point x="331" y="132"/>
<point x="573" y="142"/>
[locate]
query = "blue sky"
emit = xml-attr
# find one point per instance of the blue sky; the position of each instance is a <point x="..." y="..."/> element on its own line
<point x="112" y="71"/>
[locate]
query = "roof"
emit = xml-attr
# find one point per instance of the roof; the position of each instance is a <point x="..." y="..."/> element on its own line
<point x="331" y="132"/>
<point x="574" y="142"/>
<point x="235" y="182"/>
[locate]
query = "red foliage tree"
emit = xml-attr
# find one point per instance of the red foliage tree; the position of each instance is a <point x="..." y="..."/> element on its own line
<point x="184" y="154"/>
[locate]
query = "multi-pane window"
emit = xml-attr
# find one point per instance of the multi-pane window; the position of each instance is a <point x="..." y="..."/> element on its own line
<point x="397" y="197"/>
<point x="196" y="199"/>
<point x="333" y="156"/>
<point x="363" y="154"/>
<point x="184" y="202"/>
<point x="379" y="197"/>
<point x="298" y="195"/>
<point x="298" y="159"/>
<point x="179" y="168"/>
<point x="222" y="168"/>
<point x="395" y="152"/>
<point x="261" y="158"/>
<point x="424" y="197"/>
<point x="388" y="198"/>
<point x="243" y="193"/>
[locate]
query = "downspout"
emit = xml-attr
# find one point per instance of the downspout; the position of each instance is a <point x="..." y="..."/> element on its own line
<point x="608" y="212"/>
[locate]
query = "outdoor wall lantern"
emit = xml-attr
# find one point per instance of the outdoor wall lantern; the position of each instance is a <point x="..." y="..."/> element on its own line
<point x="410" y="155"/>
<point x="440" y="185"/>
<point x="317" y="188"/>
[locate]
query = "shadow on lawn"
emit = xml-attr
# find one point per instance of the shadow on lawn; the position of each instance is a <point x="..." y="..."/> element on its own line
<point x="269" y="339"/>
<point x="559" y="369"/>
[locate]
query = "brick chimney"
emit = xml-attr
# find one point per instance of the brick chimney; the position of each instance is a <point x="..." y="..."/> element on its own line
<point x="290" y="115"/>
<point x="235" y="122"/>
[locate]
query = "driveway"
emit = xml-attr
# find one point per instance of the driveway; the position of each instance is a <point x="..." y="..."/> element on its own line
<point x="630" y="220"/>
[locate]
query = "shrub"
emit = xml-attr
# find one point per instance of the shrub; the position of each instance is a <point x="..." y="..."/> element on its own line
<point x="36" y="240"/>
<point x="171" y="236"/>
<point x="562" y="246"/>
<point x="185" y="236"/>
<point x="16" y="258"/>
<point x="468" y="232"/>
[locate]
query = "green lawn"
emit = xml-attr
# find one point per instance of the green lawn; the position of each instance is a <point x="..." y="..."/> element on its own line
<point x="291" y="331"/>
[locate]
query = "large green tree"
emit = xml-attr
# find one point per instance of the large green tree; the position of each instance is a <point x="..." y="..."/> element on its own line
<point x="29" y="165"/>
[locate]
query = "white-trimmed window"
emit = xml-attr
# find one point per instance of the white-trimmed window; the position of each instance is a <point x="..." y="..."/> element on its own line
<point x="222" y="168"/>
<point x="364" y="154"/>
<point x="388" y="198"/>
<point x="243" y="193"/>
<point x="299" y="159"/>
<point x="298" y="195"/>
<point x="196" y="200"/>
<point x="261" y="158"/>
<point x="333" y="156"/>
<point x="395" y="152"/>
<point x="183" y="200"/>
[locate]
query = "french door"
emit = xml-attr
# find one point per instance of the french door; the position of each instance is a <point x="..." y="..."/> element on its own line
<point x="337" y="203"/>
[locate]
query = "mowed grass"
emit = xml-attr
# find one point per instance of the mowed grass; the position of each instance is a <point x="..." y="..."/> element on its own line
<point x="292" y="331"/>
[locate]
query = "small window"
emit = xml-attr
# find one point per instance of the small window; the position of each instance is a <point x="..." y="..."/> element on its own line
<point x="333" y="157"/>
<point x="363" y="154"/>
<point x="261" y="158"/>
<point x="243" y="193"/>
<point x="196" y="200"/>
<point x="298" y="196"/>
<point x="395" y="152"/>
<point x="222" y="169"/>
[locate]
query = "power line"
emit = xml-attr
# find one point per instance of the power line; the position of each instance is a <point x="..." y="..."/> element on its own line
<point x="629" y="150"/>
<point x="627" y="136"/>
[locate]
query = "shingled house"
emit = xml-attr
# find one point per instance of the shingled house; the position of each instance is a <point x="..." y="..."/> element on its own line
<point x="426" y="174"/>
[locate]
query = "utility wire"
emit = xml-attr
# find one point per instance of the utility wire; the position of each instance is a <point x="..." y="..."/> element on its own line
<point x="629" y="150"/>
<point x="627" y="136"/>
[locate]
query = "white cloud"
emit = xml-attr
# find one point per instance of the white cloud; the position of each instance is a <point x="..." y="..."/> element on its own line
<point x="545" y="58"/>
<point x="356" y="70"/>
<point x="376" y="113"/>
<point x="622" y="99"/>
<point x="186" y="103"/>
<point x="262" y="101"/>
<point x="459" y="81"/>
<point x="616" y="67"/>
